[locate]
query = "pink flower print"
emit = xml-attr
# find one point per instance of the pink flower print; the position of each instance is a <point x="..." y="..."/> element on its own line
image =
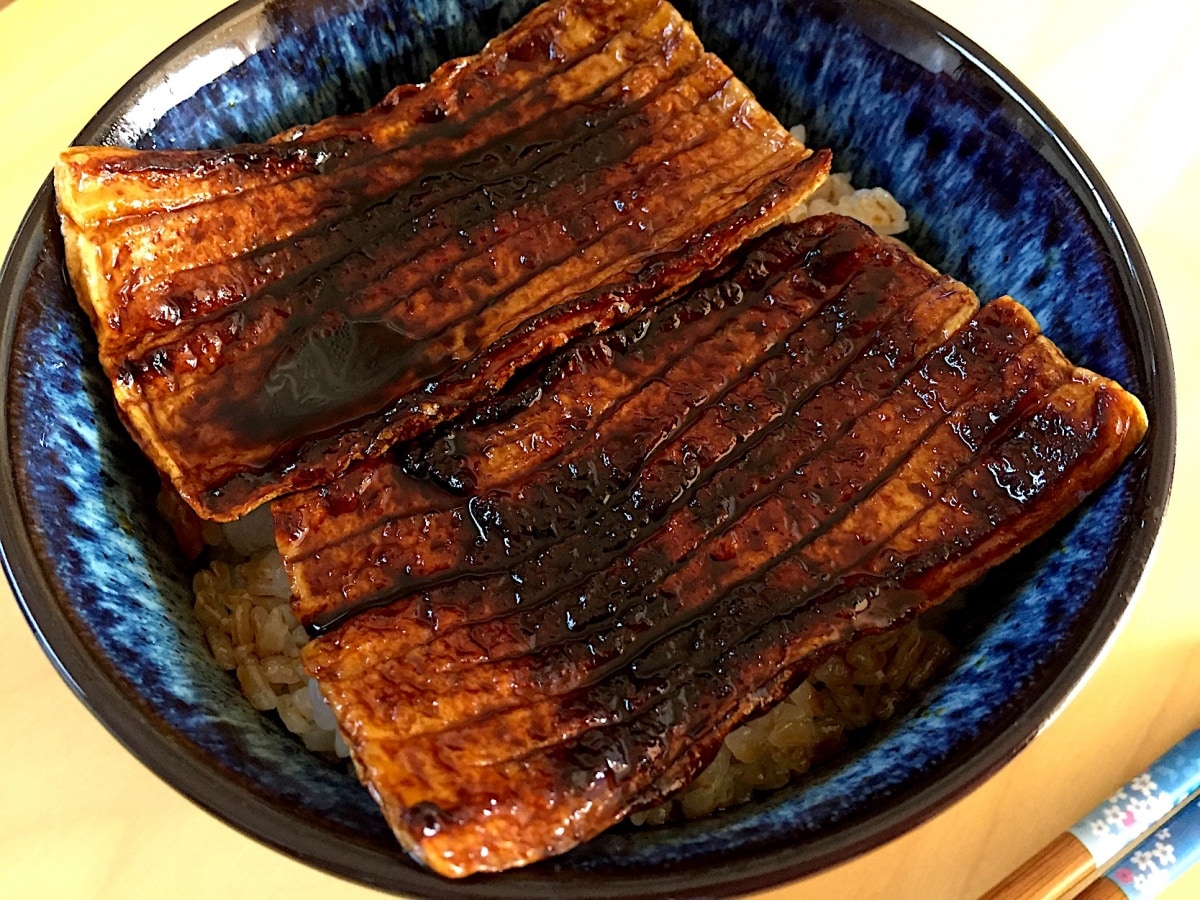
<point x="1124" y="875"/>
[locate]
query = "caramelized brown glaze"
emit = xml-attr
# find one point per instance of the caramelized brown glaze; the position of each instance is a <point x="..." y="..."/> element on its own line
<point x="672" y="388"/>
<point x="269" y="314"/>
<point x="535" y="623"/>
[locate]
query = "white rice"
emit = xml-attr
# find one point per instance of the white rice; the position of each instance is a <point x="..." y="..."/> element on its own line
<point x="873" y="206"/>
<point x="250" y="629"/>
<point x="860" y="686"/>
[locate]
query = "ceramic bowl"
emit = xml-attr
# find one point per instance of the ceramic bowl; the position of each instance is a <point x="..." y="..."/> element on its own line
<point x="997" y="194"/>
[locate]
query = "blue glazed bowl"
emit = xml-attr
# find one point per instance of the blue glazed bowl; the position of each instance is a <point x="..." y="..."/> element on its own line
<point x="997" y="195"/>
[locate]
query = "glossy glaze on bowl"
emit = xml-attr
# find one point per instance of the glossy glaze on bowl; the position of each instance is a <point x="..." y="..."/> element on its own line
<point x="997" y="195"/>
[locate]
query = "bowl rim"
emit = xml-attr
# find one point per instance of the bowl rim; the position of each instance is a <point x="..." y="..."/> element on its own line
<point x="180" y="764"/>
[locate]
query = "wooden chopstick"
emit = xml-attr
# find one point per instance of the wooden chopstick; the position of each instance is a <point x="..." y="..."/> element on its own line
<point x="1156" y="862"/>
<point x="1077" y="857"/>
<point x="1060" y="869"/>
<point x="1102" y="890"/>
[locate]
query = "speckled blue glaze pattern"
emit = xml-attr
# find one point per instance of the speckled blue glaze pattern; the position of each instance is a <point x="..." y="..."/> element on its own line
<point x="994" y="196"/>
<point x="93" y="500"/>
<point x="915" y="116"/>
<point x="326" y="60"/>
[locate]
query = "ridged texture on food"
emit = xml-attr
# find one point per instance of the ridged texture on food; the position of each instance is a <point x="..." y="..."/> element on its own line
<point x="536" y="622"/>
<point x="270" y="313"/>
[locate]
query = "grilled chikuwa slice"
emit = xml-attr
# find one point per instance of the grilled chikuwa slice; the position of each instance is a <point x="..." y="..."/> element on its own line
<point x="543" y="619"/>
<point x="270" y="313"/>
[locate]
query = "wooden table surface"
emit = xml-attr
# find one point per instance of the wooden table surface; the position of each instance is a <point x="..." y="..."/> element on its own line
<point x="80" y="817"/>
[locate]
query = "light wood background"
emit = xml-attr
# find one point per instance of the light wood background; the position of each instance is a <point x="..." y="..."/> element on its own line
<point x="80" y="817"/>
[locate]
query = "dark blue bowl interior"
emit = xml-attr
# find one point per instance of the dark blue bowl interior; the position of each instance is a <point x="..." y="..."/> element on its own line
<point x="997" y="195"/>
